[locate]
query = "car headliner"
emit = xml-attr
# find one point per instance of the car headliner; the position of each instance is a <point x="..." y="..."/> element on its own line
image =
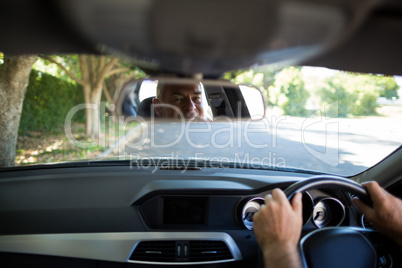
<point x="369" y="41"/>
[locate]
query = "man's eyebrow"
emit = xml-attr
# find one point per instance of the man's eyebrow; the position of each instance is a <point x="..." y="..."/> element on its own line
<point x="177" y="93"/>
<point x="182" y="94"/>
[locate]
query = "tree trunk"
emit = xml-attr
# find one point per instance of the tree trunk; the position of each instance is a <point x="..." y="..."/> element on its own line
<point x="14" y="77"/>
<point x="95" y="78"/>
<point x="88" y="116"/>
<point x="94" y="121"/>
<point x="94" y="70"/>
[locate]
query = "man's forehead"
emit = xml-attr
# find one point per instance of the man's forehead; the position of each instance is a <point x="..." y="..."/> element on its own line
<point x="182" y="88"/>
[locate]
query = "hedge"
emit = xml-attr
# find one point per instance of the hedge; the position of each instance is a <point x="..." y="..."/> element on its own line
<point x="47" y="101"/>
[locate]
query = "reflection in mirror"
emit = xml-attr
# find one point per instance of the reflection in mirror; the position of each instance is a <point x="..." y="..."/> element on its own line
<point x="189" y="99"/>
<point x="254" y="101"/>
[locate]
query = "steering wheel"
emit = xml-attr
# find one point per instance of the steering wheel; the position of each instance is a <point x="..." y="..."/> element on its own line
<point x="336" y="246"/>
<point x="329" y="182"/>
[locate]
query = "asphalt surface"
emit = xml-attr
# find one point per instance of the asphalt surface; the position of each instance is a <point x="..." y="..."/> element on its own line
<point x="331" y="145"/>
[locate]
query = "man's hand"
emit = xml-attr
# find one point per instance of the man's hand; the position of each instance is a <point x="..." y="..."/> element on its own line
<point x="277" y="227"/>
<point x="386" y="213"/>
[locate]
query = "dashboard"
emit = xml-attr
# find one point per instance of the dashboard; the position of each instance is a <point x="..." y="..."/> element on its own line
<point x="121" y="216"/>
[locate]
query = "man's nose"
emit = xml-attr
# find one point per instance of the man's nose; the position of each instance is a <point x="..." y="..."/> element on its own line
<point x="188" y="105"/>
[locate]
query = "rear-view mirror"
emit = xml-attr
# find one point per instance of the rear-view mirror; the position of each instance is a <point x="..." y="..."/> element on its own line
<point x="163" y="98"/>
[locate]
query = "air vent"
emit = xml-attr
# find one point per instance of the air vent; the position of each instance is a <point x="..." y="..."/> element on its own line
<point x="155" y="251"/>
<point x="200" y="251"/>
<point x="181" y="251"/>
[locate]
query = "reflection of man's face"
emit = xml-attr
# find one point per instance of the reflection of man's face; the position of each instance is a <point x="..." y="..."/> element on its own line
<point x="180" y="101"/>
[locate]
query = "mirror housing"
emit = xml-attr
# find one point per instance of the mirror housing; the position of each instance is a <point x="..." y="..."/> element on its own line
<point x="219" y="99"/>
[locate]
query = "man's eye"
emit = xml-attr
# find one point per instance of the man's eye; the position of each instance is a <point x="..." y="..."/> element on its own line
<point x="197" y="99"/>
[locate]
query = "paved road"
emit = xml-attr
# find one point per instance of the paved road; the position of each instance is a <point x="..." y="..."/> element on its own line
<point x="339" y="146"/>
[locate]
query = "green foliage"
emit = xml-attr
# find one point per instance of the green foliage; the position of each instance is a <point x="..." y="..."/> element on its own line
<point x="47" y="102"/>
<point x="354" y="94"/>
<point x="289" y="92"/>
<point x="69" y="61"/>
<point x="232" y="75"/>
<point x="366" y="103"/>
<point x="262" y="79"/>
<point x="334" y="92"/>
<point x="341" y="93"/>
<point x="387" y="86"/>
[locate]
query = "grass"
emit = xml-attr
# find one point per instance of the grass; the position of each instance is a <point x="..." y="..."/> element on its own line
<point x="37" y="147"/>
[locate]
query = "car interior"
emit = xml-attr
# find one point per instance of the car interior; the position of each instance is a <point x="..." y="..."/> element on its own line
<point x="193" y="212"/>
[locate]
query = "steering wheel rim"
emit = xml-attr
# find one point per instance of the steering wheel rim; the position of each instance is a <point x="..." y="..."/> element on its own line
<point x="326" y="247"/>
<point x="329" y="182"/>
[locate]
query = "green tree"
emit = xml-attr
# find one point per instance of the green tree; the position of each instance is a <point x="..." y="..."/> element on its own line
<point x="334" y="90"/>
<point x="90" y="71"/>
<point x="367" y="90"/>
<point x="114" y="83"/>
<point x="288" y="92"/>
<point x="262" y="78"/>
<point x="354" y="93"/>
<point x="387" y="86"/>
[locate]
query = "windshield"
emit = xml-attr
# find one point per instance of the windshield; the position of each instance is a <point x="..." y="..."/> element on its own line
<point x="316" y="119"/>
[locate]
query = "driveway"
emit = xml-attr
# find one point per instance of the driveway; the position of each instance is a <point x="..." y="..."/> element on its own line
<point x="334" y="145"/>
